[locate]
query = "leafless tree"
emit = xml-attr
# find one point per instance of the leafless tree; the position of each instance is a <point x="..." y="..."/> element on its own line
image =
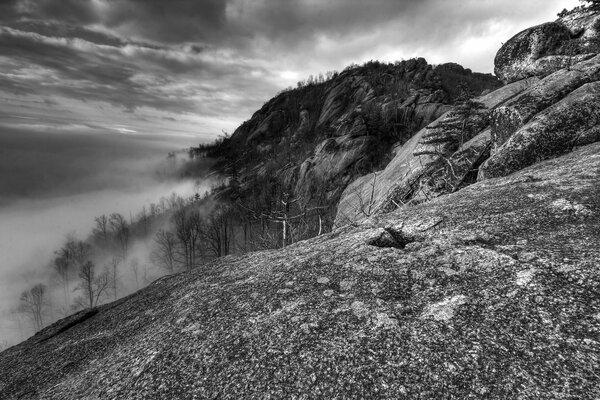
<point x="33" y="303"/>
<point x="144" y="221"/>
<point x="113" y="272"/>
<point x="92" y="285"/>
<point x="164" y="254"/>
<point x="188" y="229"/>
<point x="134" y="264"/>
<point x="62" y="268"/>
<point x="101" y="229"/>
<point x="68" y="261"/>
<point x="120" y="230"/>
<point x="218" y="232"/>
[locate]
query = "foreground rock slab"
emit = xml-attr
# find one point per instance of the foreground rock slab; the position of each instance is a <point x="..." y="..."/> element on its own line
<point x="491" y="292"/>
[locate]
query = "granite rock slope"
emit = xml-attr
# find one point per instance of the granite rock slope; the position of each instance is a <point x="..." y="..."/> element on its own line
<point x="408" y="175"/>
<point x="540" y="117"/>
<point x="313" y="140"/>
<point x="491" y="292"/>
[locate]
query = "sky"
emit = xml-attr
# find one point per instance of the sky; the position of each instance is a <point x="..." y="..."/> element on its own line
<point x="95" y="93"/>
<point x="195" y="68"/>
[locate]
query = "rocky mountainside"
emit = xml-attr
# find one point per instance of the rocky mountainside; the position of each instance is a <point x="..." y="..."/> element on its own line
<point x="312" y="141"/>
<point x="547" y="113"/>
<point x="466" y="268"/>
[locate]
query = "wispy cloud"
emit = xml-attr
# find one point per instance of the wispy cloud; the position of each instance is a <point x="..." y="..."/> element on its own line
<point x="221" y="59"/>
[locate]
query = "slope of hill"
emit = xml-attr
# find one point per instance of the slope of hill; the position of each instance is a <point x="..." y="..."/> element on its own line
<point x="548" y="113"/>
<point x="309" y="143"/>
<point x="481" y="287"/>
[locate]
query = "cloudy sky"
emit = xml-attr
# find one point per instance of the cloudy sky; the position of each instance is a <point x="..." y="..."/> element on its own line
<point x="192" y="68"/>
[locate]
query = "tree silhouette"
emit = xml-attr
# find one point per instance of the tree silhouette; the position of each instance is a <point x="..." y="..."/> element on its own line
<point x="33" y="303"/>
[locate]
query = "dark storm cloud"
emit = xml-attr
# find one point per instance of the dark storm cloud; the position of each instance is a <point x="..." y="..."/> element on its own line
<point x="127" y="74"/>
<point x="75" y="11"/>
<point x="169" y="21"/>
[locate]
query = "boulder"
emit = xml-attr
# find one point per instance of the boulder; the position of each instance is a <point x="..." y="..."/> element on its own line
<point x="509" y="117"/>
<point x="550" y="133"/>
<point x="547" y="48"/>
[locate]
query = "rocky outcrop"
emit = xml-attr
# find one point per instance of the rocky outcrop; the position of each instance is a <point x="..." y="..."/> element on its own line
<point x="490" y="292"/>
<point x="544" y="49"/>
<point x="508" y="118"/>
<point x="408" y="175"/>
<point x="522" y="123"/>
<point x="552" y="132"/>
<point x="312" y="141"/>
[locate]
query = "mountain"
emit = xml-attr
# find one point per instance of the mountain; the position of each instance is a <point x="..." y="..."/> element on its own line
<point x="465" y="267"/>
<point x="309" y="143"/>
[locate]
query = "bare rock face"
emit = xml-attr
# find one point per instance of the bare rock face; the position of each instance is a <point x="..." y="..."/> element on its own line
<point x="528" y="121"/>
<point x="554" y="131"/>
<point x="409" y="174"/>
<point x="546" y="48"/>
<point x="490" y="292"/>
<point x="509" y="117"/>
<point x="312" y="141"/>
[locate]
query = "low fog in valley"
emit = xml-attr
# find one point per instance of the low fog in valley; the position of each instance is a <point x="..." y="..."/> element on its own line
<point x="54" y="182"/>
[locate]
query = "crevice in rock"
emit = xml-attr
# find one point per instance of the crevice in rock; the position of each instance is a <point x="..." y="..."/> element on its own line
<point x="391" y="238"/>
<point x="76" y="320"/>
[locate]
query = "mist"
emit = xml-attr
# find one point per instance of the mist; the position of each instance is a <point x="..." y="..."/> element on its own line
<point x="54" y="180"/>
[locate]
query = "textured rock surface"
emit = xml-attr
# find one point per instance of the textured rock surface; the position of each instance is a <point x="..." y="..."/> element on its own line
<point x="490" y="292"/>
<point x="314" y="140"/>
<point x="529" y="120"/>
<point x="401" y="180"/>
<point x="544" y="49"/>
<point x="508" y="118"/>
<point x="554" y="131"/>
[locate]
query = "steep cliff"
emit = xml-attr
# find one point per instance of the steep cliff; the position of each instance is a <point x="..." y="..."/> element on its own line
<point x="312" y="141"/>
<point x="524" y="122"/>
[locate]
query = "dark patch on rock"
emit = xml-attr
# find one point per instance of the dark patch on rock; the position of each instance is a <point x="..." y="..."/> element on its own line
<point x="65" y="325"/>
<point x="391" y="237"/>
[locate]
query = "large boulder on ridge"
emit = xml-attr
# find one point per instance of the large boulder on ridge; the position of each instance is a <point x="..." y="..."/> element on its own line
<point x="546" y="48"/>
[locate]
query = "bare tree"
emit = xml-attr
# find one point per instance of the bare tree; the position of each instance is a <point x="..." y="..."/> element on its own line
<point x="62" y="267"/>
<point x="134" y="264"/>
<point x="164" y="254"/>
<point x="113" y="271"/>
<point x="144" y="221"/>
<point x="188" y="229"/>
<point x="101" y="230"/>
<point x="33" y="303"/>
<point x="218" y="233"/>
<point x="92" y="285"/>
<point x="120" y="229"/>
<point x="69" y="259"/>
